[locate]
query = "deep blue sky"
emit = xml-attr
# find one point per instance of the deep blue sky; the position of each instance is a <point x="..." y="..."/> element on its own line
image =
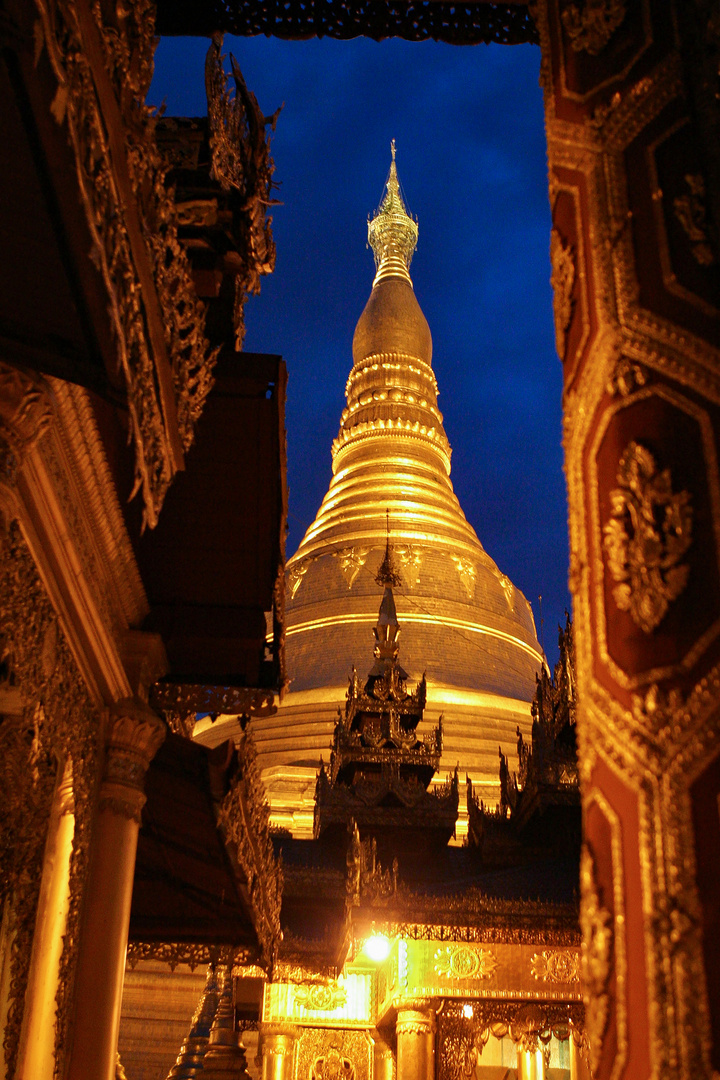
<point x="471" y="158"/>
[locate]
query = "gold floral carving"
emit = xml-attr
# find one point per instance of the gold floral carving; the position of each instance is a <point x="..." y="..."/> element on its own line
<point x="626" y="378"/>
<point x="410" y="560"/>
<point x="591" y="23"/>
<point x="562" y="280"/>
<point x="690" y="210"/>
<point x="467" y="572"/>
<point x="244" y="820"/>
<point x="321" y="997"/>
<point x="597" y="949"/>
<point x="352" y="561"/>
<point x="551" y="965"/>
<point x="649" y="530"/>
<point x="294" y="577"/>
<point x="465" y="962"/>
<point x="57" y="723"/>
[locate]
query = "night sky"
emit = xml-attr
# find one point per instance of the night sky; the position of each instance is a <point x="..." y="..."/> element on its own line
<point x="468" y="125"/>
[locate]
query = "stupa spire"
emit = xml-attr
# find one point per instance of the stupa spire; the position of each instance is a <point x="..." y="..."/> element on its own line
<point x="392" y="231"/>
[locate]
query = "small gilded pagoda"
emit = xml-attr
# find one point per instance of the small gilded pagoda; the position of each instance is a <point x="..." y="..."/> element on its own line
<point x="380" y="768"/>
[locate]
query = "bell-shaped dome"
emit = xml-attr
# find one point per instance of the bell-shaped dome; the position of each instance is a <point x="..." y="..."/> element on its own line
<point x="392" y="322"/>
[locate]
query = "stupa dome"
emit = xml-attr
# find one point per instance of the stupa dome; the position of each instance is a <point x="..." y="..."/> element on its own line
<point x="462" y="621"/>
<point x="392" y="322"/>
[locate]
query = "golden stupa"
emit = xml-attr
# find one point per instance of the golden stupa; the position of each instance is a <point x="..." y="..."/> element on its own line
<point x="463" y="622"/>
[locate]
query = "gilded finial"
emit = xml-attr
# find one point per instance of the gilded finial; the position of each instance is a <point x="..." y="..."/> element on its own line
<point x="392" y="232"/>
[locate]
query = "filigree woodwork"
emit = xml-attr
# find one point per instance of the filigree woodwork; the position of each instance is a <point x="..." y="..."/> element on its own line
<point x="157" y="319"/>
<point x="649" y="531"/>
<point x="418" y="20"/>
<point x="174" y="953"/>
<point x="243" y="817"/>
<point x="187" y="699"/>
<point x="58" y="724"/>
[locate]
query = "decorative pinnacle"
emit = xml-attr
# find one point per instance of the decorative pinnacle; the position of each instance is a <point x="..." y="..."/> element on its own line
<point x="392" y="232"/>
<point x="387" y="574"/>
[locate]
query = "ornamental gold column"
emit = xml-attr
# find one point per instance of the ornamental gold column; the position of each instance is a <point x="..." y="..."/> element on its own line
<point x="415" y="1030"/>
<point x="384" y="1059"/>
<point x="36" y="1055"/>
<point x="135" y="735"/>
<point x="633" y="125"/>
<point x="277" y="1043"/>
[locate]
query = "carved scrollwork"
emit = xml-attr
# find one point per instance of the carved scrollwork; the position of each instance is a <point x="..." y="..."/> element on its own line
<point x="174" y="953"/>
<point x="649" y="530"/>
<point x="626" y="378"/>
<point x="690" y="210"/>
<point x="562" y="280"/>
<point x="321" y="997"/>
<point x="597" y="953"/>
<point x="591" y="23"/>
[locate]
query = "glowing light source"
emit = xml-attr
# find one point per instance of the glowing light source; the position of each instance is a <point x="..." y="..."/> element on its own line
<point x="468" y="1012"/>
<point x="377" y="947"/>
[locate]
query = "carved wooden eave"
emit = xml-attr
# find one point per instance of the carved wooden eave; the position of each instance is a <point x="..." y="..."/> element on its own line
<point x="206" y="881"/>
<point x="140" y="339"/>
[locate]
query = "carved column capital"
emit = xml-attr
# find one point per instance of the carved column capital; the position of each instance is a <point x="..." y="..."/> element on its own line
<point x="135" y="734"/>
<point x="415" y="1021"/>
<point x="25" y="414"/>
<point x="278" y="1039"/>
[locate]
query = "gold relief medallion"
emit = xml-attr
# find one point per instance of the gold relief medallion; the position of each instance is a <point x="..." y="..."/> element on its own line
<point x="592" y="23"/>
<point x="467" y="572"/>
<point x="649" y="530"/>
<point x="562" y="279"/>
<point x="464" y="962"/>
<point x="321" y="997"/>
<point x="597" y="947"/>
<point x="552" y="965"/>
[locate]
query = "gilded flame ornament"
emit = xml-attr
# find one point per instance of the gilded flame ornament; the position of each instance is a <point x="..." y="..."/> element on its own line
<point x="649" y="531"/>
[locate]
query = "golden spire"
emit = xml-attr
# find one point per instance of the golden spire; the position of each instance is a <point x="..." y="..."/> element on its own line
<point x="392" y="232"/>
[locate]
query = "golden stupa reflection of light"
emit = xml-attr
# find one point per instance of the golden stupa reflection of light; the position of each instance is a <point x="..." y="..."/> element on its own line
<point x="463" y="621"/>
